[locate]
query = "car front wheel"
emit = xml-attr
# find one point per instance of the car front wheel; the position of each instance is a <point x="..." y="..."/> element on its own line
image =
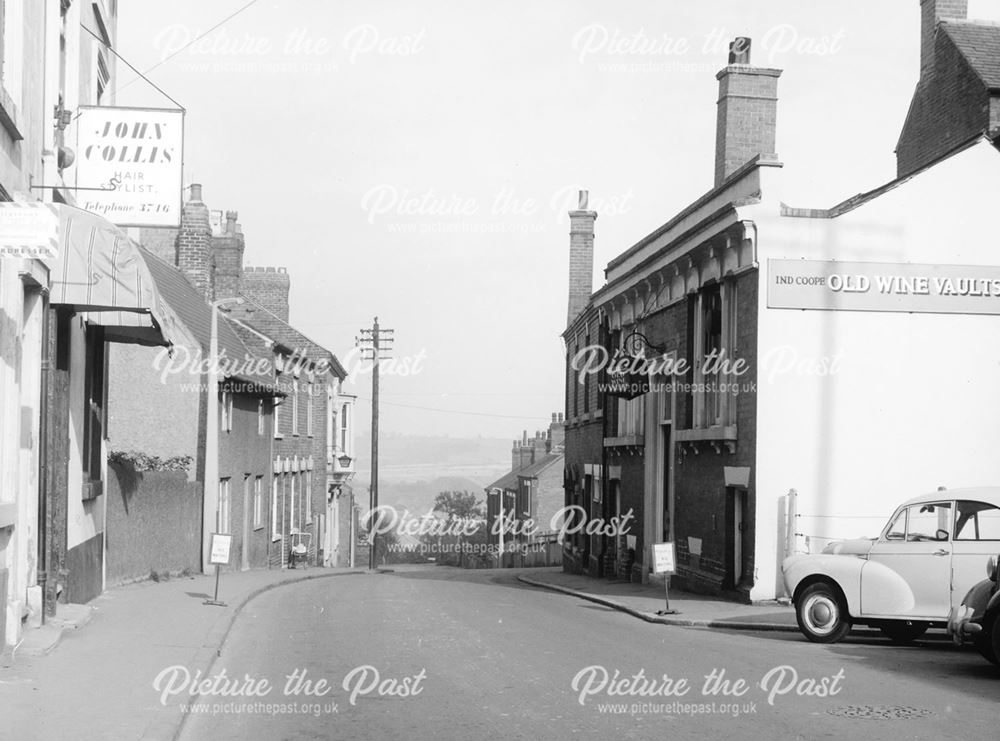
<point x="821" y="614"/>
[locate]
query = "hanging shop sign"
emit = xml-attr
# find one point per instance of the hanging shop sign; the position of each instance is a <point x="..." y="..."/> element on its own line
<point x="129" y="164"/>
<point x="876" y="286"/>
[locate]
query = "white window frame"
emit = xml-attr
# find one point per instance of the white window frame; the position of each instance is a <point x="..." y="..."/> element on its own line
<point x="276" y="491"/>
<point x="277" y="417"/>
<point x="293" y="526"/>
<point x="258" y="508"/>
<point x="295" y="408"/>
<point x="260" y="416"/>
<point x="223" y="512"/>
<point x="309" y="409"/>
<point x="308" y="496"/>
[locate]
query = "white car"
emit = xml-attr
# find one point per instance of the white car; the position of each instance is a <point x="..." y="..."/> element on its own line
<point x="932" y="551"/>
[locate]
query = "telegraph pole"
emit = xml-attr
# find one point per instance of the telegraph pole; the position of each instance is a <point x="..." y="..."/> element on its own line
<point x="372" y="342"/>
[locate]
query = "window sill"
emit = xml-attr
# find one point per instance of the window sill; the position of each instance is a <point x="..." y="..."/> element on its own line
<point x="275" y="538"/>
<point x="718" y="437"/>
<point x="258" y="527"/>
<point x="92" y="490"/>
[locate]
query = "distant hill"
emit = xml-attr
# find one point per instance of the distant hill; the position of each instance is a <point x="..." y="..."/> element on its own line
<point x="413" y="470"/>
<point x="415" y="450"/>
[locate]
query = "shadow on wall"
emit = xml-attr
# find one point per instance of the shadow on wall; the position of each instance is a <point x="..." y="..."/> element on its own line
<point x="153" y="524"/>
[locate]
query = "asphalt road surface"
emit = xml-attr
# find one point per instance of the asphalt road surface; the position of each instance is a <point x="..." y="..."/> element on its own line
<point x="438" y="653"/>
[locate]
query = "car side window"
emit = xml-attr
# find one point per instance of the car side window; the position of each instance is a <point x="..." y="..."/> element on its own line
<point x="926" y="522"/>
<point x="897" y="530"/>
<point x="977" y="521"/>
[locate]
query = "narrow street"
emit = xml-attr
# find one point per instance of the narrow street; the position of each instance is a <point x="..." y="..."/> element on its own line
<point x="480" y="655"/>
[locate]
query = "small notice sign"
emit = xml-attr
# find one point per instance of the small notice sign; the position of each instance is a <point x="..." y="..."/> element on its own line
<point x="664" y="558"/>
<point x="220" y="548"/>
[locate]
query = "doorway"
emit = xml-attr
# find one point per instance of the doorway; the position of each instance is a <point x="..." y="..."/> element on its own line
<point x="738" y="549"/>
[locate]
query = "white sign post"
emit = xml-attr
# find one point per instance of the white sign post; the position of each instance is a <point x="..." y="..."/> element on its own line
<point x="218" y="555"/>
<point x="129" y="164"/>
<point x="664" y="562"/>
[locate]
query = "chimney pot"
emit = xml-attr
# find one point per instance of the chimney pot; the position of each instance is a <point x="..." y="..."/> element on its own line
<point x="584" y="199"/>
<point x="739" y="50"/>
<point x="231" y="217"/>
<point x="195" y="192"/>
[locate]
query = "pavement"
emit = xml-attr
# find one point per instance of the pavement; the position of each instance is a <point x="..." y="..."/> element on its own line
<point x="644" y="601"/>
<point x="110" y="650"/>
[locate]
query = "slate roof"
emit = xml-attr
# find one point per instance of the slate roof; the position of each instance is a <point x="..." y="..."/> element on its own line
<point x="540" y="465"/>
<point x="290" y="339"/>
<point x="979" y="43"/>
<point x="507" y="482"/>
<point x="196" y="315"/>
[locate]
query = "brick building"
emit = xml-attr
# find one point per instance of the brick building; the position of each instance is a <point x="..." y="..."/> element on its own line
<point x="766" y="348"/>
<point x="531" y="491"/>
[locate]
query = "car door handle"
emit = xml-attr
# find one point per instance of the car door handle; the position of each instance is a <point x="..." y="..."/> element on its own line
<point x="940" y="552"/>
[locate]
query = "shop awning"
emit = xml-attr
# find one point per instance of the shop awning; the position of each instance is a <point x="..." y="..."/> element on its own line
<point x="101" y="273"/>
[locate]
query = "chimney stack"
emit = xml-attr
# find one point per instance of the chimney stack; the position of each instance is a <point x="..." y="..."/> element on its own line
<point x="193" y="246"/>
<point x="581" y="256"/>
<point x="557" y="434"/>
<point x="267" y="287"/>
<point x="227" y="256"/>
<point x="747" y="112"/>
<point x="933" y="12"/>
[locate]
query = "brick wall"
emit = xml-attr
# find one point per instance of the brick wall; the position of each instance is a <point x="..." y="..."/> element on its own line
<point x="700" y="486"/>
<point x="949" y="107"/>
<point x="268" y="287"/>
<point x="153" y="525"/>
<point x="161" y="241"/>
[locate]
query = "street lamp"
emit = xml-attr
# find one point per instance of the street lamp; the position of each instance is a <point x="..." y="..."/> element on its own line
<point x="210" y="510"/>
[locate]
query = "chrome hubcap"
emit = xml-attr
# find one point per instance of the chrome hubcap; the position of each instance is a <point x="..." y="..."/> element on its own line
<point x="820" y="614"/>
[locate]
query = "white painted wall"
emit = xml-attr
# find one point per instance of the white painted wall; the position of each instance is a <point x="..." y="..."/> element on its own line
<point x="915" y="402"/>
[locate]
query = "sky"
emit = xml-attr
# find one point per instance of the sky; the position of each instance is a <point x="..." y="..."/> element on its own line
<point x="415" y="161"/>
